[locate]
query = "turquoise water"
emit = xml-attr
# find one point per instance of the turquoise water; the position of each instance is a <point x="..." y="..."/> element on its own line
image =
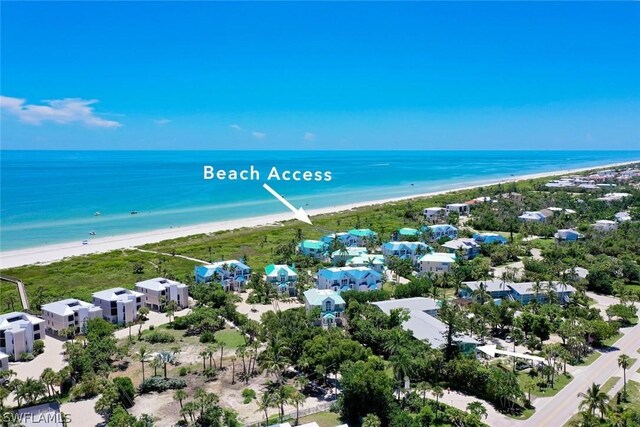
<point x="51" y="196"/>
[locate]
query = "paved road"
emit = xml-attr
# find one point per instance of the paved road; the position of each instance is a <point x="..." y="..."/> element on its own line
<point x="555" y="411"/>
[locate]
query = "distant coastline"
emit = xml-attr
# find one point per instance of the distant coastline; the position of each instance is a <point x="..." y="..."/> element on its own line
<point x="56" y="252"/>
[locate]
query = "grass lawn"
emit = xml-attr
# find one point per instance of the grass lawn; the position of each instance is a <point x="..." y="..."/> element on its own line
<point x="324" y="419"/>
<point x="543" y="243"/>
<point x="561" y="380"/>
<point x="609" y="384"/>
<point x="590" y="359"/>
<point x="230" y="338"/>
<point x="633" y="395"/>
<point x="609" y="342"/>
<point x="524" y="415"/>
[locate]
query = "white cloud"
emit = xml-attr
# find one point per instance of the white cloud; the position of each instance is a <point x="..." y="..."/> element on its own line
<point x="259" y="135"/>
<point x="162" y="121"/>
<point x="309" y="136"/>
<point x="62" y="111"/>
<point x="236" y="127"/>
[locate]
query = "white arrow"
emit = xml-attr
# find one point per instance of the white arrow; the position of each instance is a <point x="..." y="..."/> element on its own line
<point x="300" y="214"/>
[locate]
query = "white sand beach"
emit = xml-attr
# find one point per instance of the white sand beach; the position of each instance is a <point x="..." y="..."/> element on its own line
<point x="56" y="252"/>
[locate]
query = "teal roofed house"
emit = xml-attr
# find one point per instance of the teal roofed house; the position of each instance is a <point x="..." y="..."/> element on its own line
<point x="405" y="233"/>
<point x="282" y="277"/>
<point x="330" y="303"/>
<point x="313" y="248"/>
<point x="360" y="237"/>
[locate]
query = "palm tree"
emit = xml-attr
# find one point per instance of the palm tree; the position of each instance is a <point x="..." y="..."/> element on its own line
<point x="204" y="354"/>
<point x="423" y="387"/>
<point x="266" y="401"/>
<point x="165" y="358"/>
<point x="438" y="393"/>
<point x="211" y="350"/>
<point x="298" y="398"/>
<point x="477" y="409"/>
<point x="189" y="408"/>
<point x="624" y="361"/>
<point x="170" y="310"/>
<point x="594" y="399"/>
<point x="50" y="378"/>
<point x="155" y="363"/>
<point x="274" y="360"/>
<point x="143" y="356"/>
<point x="179" y="395"/>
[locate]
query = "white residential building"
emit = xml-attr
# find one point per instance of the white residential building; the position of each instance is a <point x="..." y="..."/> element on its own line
<point x="613" y="197"/>
<point x="282" y="277"/>
<point x="18" y="331"/>
<point x="68" y="313"/>
<point x="4" y="361"/>
<point x="160" y="291"/>
<point x="604" y="225"/>
<point x="435" y="213"/>
<point x="437" y="262"/>
<point x="119" y="305"/>
<point x="459" y="208"/>
<point x="623" y="216"/>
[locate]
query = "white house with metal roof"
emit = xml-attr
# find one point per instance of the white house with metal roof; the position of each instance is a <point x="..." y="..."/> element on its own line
<point x="468" y="247"/>
<point x="69" y="313"/>
<point x="424" y="304"/>
<point x="459" y="208"/>
<point x="159" y="291"/>
<point x="426" y="327"/>
<point x="604" y="225"/>
<point x="342" y="255"/>
<point x="360" y="237"/>
<point x="282" y="277"/>
<point x="435" y="213"/>
<point x="437" y="262"/>
<point x="119" y="305"/>
<point x="373" y="261"/>
<point x="330" y="303"/>
<point x="18" y="331"/>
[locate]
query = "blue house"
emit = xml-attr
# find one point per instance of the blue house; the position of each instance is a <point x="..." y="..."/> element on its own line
<point x="330" y="303"/>
<point x="329" y="238"/>
<point x="490" y="238"/>
<point x="524" y="293"/>
<point x="567" y="235"/>
<point x="232" y="274"/>
<point x="469" y="248"/>
<point x="313" y="248"/>
<point x="342" y="279"/>
<point x="405" y="250"/>
<point x="439" y="231"/>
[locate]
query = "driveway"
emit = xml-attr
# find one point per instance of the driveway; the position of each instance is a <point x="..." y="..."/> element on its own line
<point x="52" y="357"/>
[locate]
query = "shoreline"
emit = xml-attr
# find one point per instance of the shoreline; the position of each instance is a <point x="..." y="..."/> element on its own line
<point x="59" y="251"/>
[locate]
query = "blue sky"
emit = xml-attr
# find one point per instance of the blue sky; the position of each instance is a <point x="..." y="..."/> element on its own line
<point x="210" y="75"/>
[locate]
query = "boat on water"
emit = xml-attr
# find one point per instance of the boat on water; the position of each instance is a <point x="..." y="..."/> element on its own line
<point x="97" y="213"/>
<point x="92" y="233"/>
<point x="134" y="212"/>
<point x="85" y="242"/>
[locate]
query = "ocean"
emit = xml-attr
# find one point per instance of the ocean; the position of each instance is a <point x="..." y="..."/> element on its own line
<point x="51" y="197"/>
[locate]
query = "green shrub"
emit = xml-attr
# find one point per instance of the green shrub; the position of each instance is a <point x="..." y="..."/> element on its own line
<point x="26" y="357"/>
<point x="159" y="337"/>
<point x="248" y="395"/>
<point x="160" y="384"/>
<point x="152" y="327"/>
<point x="126" y="391"/>
<point x="207" y="336"/>
<point x="38" y="347"/>
<point x="183" y="371"/>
